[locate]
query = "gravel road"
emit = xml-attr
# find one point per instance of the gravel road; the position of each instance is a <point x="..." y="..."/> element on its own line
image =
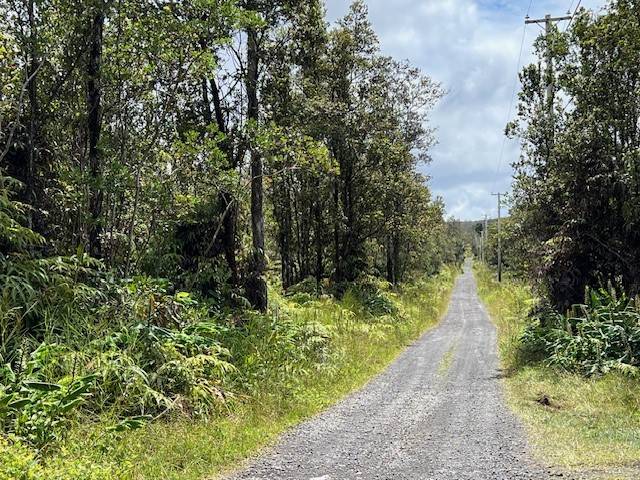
<point x="437" y="412"/>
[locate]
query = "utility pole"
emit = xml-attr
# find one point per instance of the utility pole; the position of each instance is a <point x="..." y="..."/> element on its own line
<point x="548" y="20"/>
<point x="499" y="195"/>
<point x="485" y="233"/>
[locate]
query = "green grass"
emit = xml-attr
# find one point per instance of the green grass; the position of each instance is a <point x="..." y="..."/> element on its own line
<point x="180" y="448"/>
<point x="591" y="424"/>
<point x="447" y="359"/>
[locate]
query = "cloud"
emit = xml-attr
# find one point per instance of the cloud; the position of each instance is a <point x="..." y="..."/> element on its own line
<point x="471" y="47"/>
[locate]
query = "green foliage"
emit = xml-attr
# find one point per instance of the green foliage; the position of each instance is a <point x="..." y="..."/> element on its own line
<point x="594" y="338"/>
<point x="145" y="369"/>
<point x="34" y="410"/>
<point x="276" y="351"/>
<point x="369" y="294"/>
<point x="575" y="204"/>
<point x="308" y="286"/>
<point x="36" y="293"/>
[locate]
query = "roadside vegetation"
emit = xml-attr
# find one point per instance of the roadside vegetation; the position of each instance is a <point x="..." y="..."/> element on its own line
<point x="573" y="380"/>
<point x="248" y="379"/>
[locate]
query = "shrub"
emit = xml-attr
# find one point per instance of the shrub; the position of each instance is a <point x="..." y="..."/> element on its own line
<point x="144" y="369"/>
<point x="307" y="286"/>
<point x="35" y="410"/>
<point x="369" y="294"/>
<point x="276" y="349"/>
<point x="600" y="335"/>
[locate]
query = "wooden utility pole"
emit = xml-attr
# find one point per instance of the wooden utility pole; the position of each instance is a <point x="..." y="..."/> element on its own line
<point x="499" y="195"/>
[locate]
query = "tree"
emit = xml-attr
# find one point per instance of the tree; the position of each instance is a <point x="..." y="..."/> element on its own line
<point x="94" y="124"/>
<point x="576" y="193"/>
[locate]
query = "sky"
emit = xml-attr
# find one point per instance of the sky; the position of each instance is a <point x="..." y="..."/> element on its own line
<point x="472" y="47"/>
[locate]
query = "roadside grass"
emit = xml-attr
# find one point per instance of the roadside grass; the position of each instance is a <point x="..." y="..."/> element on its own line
<point x="589" y="425"/>
<point x="362" y="346"/>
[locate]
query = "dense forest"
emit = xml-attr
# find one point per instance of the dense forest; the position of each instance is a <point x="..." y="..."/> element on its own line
<point x="168" y="167"/>
<point x="193" y="141"/>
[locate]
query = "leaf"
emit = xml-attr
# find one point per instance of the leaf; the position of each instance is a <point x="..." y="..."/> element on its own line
<point x="131" y="423"/>
<point x="70" y="405"/>
<point x="20" y="403"/>
<point x="5" y="400"/>
<point x="42" y="386"/>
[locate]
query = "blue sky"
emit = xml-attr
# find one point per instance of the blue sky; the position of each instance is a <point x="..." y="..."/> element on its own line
<point x="471" y="47"/>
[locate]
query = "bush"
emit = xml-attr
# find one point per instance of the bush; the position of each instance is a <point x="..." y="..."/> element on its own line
<point x="145" y="369"/>
<point x="370" y="295"/>
<point x="594" y="338"/>
<point x="143" y="352"/>
<point x="307" y="286"/>
<point x="276" y="349"/>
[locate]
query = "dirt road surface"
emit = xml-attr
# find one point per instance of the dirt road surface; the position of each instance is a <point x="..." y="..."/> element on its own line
<point x="437" y="412"/>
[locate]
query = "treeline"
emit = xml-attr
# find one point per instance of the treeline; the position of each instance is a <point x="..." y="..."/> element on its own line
<point x="576" y="202"/>
<point x="574" y="229"/>
<point x="206" y="141"/>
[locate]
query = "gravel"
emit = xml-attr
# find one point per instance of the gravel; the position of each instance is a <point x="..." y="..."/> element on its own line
<point x="437" y="412"/>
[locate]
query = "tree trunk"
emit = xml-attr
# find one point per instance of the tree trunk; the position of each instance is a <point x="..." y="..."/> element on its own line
<point x="284" y="224"/>
<point x="256" y="286"/>
<point x="338" y="274"/>
<point x="94" y="126"/>
<point x="226" y="199"/>
<point x="318" y="238"/>
<point x="397" y="267"/>
<point x="32" y="89"/>
<point x="391" y="267"/>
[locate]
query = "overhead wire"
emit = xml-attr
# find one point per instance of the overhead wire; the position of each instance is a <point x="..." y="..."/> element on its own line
<point x="513" y="94"/>
<point x="572" y="14"/>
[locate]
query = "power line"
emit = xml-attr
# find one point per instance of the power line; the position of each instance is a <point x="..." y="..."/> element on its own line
<point x="513" y="93"/>
<point x="529" y="8"/>
<point x="574" y="14"/>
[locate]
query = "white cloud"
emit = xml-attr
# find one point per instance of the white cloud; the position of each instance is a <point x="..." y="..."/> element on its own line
<point x="472" y="47"/>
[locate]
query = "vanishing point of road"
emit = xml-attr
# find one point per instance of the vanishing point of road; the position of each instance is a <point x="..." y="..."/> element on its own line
<point x="437" y="412"/>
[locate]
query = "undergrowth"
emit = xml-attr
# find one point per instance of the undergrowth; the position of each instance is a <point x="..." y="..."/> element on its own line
<point x="598" y="336"/>
<point x="173" y="388"/>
